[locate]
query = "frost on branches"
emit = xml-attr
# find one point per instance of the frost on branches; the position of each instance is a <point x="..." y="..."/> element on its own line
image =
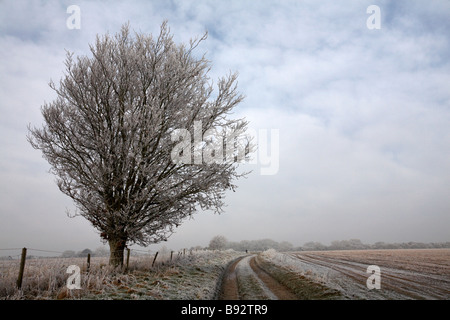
<point x="107" y="136"/>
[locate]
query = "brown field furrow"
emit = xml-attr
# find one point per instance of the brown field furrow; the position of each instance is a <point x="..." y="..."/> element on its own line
<point x="357" y="277"/>
<point x="359" y="267"/>
<point x="405" y="286"/>
<point x="280" y="291"/>
<point x="402" y="272"/>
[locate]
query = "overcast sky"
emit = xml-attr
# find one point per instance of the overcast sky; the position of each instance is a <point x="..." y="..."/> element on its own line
<point x="363" y="116"/>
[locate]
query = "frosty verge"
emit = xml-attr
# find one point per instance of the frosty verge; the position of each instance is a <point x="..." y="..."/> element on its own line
<point x="107" y="136"/>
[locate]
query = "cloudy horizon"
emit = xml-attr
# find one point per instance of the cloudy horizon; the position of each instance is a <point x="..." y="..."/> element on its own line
<point x="363" y="116"/>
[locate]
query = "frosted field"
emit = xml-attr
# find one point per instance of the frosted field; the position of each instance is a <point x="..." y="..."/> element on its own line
<point x="194" y="276"/>
<point x="405" y="274"/>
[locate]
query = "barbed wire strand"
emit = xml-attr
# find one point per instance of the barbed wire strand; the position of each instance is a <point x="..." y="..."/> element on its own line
<point x="149" y="252"/>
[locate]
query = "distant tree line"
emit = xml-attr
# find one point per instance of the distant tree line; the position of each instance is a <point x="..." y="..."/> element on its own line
<point x="260" y="245"/>
<point x="221" y="243"/>
<point x="356" y="244"/>
<point x="99" y="252"/>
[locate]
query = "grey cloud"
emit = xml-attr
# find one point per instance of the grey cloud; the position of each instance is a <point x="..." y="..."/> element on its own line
<point x="363" y="116"/>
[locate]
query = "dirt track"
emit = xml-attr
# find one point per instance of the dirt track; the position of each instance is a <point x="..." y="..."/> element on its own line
<point x="229" y="289"/>
<point x="245" y="280"/>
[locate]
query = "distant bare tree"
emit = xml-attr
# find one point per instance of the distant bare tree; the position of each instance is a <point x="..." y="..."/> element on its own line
<point x="218" y="243"/>
<point x="84" y="253"/>
<point x="285" y="246"/>
<point x="101" y="252"/>
<point x="314" y="245"/>
<point x="109" y="136"/>
<point x="68" y="254"/>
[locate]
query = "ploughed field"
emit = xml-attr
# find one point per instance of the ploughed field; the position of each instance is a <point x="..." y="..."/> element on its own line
<point x="404" y="273"/>
<point x="200" y="275"/>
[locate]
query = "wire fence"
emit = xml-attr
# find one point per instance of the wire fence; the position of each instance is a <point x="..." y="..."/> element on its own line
<point x="31" y="253"/>
<point x="23" y="260"/>
<point x="17" y="256"/>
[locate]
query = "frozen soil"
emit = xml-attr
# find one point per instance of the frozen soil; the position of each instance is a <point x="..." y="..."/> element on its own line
<point x="196" y="277"/>
<point x="405" y="274"/>
<point x="255" y="278"/>
<point x="231" y="275"/>
<point x="192" y="276"/>
<point x="271" y="275"/>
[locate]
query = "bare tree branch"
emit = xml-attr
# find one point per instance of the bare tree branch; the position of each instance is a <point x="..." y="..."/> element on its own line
<point x="107" y="135"/>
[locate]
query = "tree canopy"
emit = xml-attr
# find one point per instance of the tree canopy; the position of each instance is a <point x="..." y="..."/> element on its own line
<point x="112" y="136"/>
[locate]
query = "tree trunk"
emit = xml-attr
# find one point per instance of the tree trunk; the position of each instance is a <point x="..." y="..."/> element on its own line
<point x="116" y="247"/>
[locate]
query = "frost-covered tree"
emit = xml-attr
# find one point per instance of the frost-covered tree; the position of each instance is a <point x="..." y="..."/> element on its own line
<point x="85" y="253"/>
<point x="218" y="243"/>
<point x="68" y="254"/>
<point x="109" y="136"/>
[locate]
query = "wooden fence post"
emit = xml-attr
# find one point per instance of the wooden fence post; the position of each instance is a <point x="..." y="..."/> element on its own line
<point x="88" y="262"/>
<point x="22" y="267"/>
<point x="128" y="257"/>
<point x="171" y="254"/>
<point x="154" y="259"/>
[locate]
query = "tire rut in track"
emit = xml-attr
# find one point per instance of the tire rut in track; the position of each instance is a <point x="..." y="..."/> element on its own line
<point x="280" y="291"/>
<point x="230" y="288"/>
